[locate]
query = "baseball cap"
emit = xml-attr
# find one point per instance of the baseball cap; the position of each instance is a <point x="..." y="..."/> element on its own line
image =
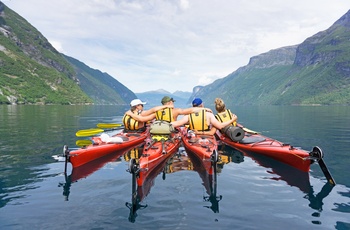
<point x="137" y="102"/>
<point x="197" y="101"/>
<point x="166" y="99"/>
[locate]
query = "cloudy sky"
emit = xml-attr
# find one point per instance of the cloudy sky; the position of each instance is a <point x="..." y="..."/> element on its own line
<point x="174" y="44"/>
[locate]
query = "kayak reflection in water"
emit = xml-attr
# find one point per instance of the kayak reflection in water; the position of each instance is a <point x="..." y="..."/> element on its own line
<point x="87" y="169"/>
<point x="138" y="193"/>
<point x="178" y="162"/>
<point x="295" y="178"/>
<point x="316" y="202"/>
<point x="209" y="181"/>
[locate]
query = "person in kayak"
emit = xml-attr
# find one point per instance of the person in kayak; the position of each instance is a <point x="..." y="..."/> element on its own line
<point x="223" y="114"/>
<point x="138" y="122"/>
<point x="171" y="113"/>
<point x="202" y="122"/>
<point x="166" y="112"/>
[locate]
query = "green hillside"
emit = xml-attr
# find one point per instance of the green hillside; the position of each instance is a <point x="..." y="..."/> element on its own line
<point x="316" y="72"/>
<point x="101" y="87"/>
<point x="33" y="72"/>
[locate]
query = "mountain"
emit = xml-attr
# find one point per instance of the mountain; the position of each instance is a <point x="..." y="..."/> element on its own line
<point x="153" y="98"/>
<point x="182" y="94"/>
<point x="316" y="71"/>
<point x="33" y="72"/>
<point x="100" y="87"/>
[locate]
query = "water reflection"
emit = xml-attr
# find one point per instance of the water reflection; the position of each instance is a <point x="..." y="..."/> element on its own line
<point x="89" y="168"/>
<point x="183" y="160"/>
<point x="207" y="171"/>
<point x="295" y="178"/>
<point x="208" y="175"/>
<point x="138" y="193"/>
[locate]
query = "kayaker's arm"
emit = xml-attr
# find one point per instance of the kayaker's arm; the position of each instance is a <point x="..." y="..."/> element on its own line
<point x="192" y="110"/>
<point x="141" y="118"/>
<point x="218" y="124"/>
<point x="155" y="109"/>
<point x="182" y="121"/>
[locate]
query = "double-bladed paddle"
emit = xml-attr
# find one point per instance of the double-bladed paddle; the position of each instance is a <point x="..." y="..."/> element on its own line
<point x="108" y="125"/>
<point x="88" y="132"/>
<point x="82" y="143"/>
<point x="101" y="128"/>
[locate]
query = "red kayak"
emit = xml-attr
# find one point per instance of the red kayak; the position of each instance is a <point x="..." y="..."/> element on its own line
<point x="257" y="143"/>
<point x="103" y="145"/>
<point x="144" y="170"/>
<point x="204" y="147"/>
<point x="286" y="153"/>
<point x="157" y="150"/>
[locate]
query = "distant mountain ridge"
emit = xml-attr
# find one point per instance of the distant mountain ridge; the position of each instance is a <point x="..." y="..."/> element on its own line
<point x="315" y="72"/>
<point x="153" y="98"/>
<point x="100" y="87"/>
<point x="33" y="72"/>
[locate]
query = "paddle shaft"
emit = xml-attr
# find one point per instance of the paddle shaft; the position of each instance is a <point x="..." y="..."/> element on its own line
<point x="108" y="125"/>
<point x="92" y="132"/>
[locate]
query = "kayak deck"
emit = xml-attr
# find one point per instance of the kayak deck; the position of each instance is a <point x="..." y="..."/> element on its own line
<point x="156" y="151"/>
<point x="277" y="150"/>
<point x="100" y="148"/>
<point x="204" y="147"/>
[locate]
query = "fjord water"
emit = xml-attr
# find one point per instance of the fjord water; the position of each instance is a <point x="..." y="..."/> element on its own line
<point x="252" y="192"/>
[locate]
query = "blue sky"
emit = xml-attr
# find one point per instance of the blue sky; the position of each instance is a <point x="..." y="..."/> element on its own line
<point x="174" y="44"/>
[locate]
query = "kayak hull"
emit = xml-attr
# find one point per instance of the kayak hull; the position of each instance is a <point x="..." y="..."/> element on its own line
<point x="256" y="143"/>
<point x="154" y="156"/>
<point x="203" y="147"/>
<point x="99" y="149"/>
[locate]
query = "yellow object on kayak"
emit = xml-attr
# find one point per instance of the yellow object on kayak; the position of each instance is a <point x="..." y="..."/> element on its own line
<point x="107" y="125"/>
<point x="82" y="143"/>
<point x="88" y="132"/>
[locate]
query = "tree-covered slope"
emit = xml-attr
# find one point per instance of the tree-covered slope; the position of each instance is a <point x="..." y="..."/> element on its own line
<point x="101" y="87"/>
<point x="33" y="72"/>
<point x="314" y="72"/>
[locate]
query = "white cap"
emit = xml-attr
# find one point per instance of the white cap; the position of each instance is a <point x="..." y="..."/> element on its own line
<point x="137" y="102"/>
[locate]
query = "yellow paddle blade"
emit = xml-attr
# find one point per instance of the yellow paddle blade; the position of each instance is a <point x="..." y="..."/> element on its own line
<point x="107" y="126"/>
<point x="88" y="132"/>
<point x="82" y="143"/>
<point x="250" y="131"/>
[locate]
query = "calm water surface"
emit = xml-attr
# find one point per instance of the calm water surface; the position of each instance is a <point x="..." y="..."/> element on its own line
<point x="252" y="192"/>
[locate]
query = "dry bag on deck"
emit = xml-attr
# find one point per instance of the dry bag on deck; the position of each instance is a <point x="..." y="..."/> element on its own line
<point x="161" y="128"/>
<point x="234" y="133"/>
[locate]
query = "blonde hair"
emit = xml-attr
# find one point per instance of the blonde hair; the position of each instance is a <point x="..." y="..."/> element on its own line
<point x="219" y="105"/>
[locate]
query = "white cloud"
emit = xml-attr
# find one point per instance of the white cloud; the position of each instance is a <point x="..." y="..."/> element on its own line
<point x="174" y="44"/>
<point x="58" y="46"/>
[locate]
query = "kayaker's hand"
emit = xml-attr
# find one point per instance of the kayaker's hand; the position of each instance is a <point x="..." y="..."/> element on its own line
<point x="194" y="131"/>
<point x="234" y="118"/>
